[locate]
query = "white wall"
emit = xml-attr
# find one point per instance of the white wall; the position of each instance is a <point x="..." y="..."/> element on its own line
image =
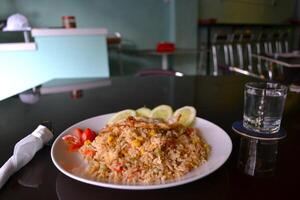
<point x="141" y="22"/>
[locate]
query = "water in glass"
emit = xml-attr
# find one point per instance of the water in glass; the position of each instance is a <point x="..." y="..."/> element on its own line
<point x="263" y="108"/>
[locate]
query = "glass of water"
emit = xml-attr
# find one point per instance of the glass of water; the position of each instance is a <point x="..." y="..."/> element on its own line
<point x="263" y="106"/>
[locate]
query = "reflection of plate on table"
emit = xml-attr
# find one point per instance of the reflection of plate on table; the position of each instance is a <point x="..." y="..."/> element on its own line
<point x="71" y="164"/>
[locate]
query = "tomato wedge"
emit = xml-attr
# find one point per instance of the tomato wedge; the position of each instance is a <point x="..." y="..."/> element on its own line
<point x="89" y="152"/>
<point x="88" y="134"/>
<point x="78" y="137"/>
<point x="78" y="133"/>
<point x="72" y="141"/>
<point x="74" y="147"/>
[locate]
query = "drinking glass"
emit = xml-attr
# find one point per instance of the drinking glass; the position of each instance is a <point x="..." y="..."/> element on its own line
<point x="263" y="106"/>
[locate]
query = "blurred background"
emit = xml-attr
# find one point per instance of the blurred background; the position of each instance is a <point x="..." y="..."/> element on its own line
<point x="193" y="37"/>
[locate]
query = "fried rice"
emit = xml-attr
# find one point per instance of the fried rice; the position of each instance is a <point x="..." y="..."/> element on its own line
<point x="144" y="150"/>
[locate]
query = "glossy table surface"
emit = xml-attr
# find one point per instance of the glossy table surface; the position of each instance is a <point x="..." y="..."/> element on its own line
<point x="217" y="99"/>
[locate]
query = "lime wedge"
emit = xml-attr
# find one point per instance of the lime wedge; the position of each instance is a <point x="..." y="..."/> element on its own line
<point x="162" y="112"/>
<point x="143" y="112"/>
<point x="121" y="115"/>
<point x="186" y="115"/>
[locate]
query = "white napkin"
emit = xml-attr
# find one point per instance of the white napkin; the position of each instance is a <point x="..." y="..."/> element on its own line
<point x="24" y="151"/>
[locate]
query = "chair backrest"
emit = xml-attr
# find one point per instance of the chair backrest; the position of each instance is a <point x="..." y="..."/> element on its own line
<point x="234" y="49"/>
<point x="284" y="40"/>
<point x="247" y="42"/>
<point x="220" y="52"/>
<point x="233" y="52"/>
<point x="243" y="43"/>
<point x="263" y="43"/>
<point x="277" y="45"/>
<point x="263" y="46"/>
<point x="269" y="43"/>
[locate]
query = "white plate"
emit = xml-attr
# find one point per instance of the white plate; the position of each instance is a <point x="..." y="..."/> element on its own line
<point x="71" y="164"/>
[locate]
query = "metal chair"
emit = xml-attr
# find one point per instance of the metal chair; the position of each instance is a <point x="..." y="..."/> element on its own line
<point x="244" y="46"/>
<point x="244" y="50"/>
<point x="228" y="53"/>
<point x="242" y="54"/>
<point x="284" y="41"/>
<point x="263" y="46"/>
<point x="277" y="42"/>
<point x="240" y="51"/>
<point x="220" y="52"/>
<point x="269" y="43"/>
<point x="237" y="51"/>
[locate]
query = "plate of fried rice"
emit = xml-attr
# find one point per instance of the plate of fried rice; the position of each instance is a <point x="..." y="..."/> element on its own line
<point x="141" y="153"/>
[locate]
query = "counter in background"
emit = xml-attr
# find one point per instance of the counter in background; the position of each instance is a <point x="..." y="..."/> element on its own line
<point x="55" y="53"/>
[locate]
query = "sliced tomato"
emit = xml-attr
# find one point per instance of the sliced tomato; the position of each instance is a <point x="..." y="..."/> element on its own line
<point x="94" y="135"/>
<point x="78" y="137"/>
<point x="74" y="147"/>
<point x="78" y="133"/>
<point x="71" y="139"/>
<point x="88" y="134"/>
<point x="89" y="152"/>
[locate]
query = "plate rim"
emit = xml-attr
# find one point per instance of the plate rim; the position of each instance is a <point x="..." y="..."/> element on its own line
<point x="137" y="187"/>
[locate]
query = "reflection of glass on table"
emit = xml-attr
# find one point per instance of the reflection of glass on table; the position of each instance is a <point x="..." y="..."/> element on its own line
<point x="257" y="157"/>
<point x="260" y="129"/>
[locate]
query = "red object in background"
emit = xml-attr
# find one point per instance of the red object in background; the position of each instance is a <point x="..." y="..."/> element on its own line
<point x="294" y="21"/>
<point x="68" y="21"/>
<point x="76" y="94"/>
<point x="163" y="47"/>
<point x="208" y="21"/>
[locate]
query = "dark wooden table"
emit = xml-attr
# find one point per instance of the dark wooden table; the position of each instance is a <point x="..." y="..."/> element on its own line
<point x="218" y="99"/>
